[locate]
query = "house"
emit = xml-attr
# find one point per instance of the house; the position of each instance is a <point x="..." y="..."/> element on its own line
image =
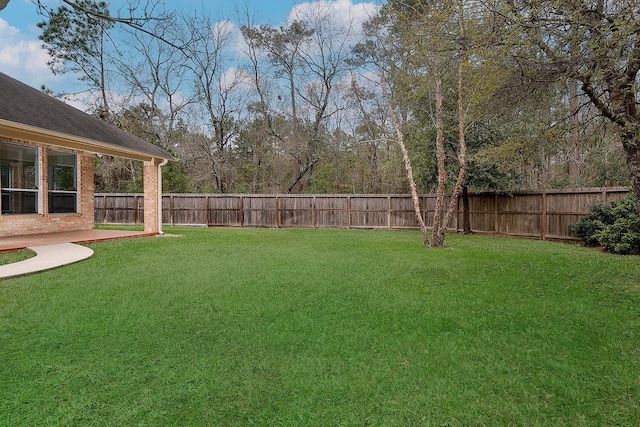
<point x="47" y="151"/>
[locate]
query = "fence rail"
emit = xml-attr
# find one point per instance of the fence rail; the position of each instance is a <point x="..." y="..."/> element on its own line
<point x="543" y="215"/>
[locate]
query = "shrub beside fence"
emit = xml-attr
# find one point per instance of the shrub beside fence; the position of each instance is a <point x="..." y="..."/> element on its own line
<point x="543" y="215"/>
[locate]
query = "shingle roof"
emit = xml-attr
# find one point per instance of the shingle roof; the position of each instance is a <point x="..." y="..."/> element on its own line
<point x="22" y="104"/>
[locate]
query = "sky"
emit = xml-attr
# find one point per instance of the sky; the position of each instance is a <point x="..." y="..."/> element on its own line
<point x="23" y="58"/>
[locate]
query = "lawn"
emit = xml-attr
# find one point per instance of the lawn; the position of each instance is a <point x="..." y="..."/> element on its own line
<point x="17" y="256"/>
<point x="236" y="327"/>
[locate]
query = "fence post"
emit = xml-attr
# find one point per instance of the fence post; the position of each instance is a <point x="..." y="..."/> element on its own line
<point x="389" y="212"/>
<point x="348" y="212"/>
<point x="495" y="214"/>
<point x="241" y="211"/>
<point x="105" y="209"/>
<point x="135" y="209"/>
<point x="313" y="212"/>
<point x="171" y="210"/>
<point x="277" y="211"/>
<point x="423" y="209"/>
<point x="545" y="227"/>
<point x="457" y="212"/>
<point x="208" y="211"/>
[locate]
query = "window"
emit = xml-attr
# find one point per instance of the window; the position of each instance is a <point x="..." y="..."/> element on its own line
<point x="19" y="170"/>
<point x="63" y="182"/>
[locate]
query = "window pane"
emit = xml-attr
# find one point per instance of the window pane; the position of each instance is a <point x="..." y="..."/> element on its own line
<point x="63" y="181"/>
<point x="62" y="171"/>
<point x="19" y="172"/>
<point x="6" y="174"/>
<point x="19" y="202"/>
<point x="62" y="202"/>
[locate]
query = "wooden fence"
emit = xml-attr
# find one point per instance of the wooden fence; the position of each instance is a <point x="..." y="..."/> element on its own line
<point x="543" y="215"/>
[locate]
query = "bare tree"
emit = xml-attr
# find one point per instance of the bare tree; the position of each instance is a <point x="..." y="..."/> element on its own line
<point x="368" y="119"/>
<point x="218" y="89"/>
<point x="308" y="58"/>
<point x="156" y="73"/>
<point x="282" y="47"/>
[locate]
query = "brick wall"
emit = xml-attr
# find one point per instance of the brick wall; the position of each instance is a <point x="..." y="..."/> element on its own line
<point x="151" y="198"/>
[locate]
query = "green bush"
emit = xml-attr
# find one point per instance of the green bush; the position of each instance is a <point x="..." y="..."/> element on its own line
<point x="600" y="215"/>
<point x="613" y="225"/>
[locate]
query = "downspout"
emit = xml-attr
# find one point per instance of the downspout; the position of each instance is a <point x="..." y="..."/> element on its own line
<point x="164" y="163"/>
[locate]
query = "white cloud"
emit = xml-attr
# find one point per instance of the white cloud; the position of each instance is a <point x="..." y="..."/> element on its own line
<point x="228" y="34"/>
<point x="24" y="59"/>
<point x="343" y="12"/>
<point x="7" y="30"/>
<point x="235" y="79"/>
<point x="223" y="29"/>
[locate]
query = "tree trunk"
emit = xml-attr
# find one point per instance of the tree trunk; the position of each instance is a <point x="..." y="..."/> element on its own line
<point x="462" y="153"/>
<point x="438" y="233"/>
<point x="574" y="137"/>
<point x="412" y="183"/>
<point x="296" y="180"/>
<point x="626" y="115"/>
<point x="631" y="144"/>
<point x="106" y="113"/>
<point x="414" y="193"/>
<point x="442" y="219"/>
<point x="296" y="187"/>
<point x="407" y="161"/>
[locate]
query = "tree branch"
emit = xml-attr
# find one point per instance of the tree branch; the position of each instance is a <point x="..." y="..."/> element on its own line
<point x="136" y="23"/>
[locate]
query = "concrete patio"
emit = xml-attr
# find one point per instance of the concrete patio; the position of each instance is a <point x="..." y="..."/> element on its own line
<point x="21" y="242"/>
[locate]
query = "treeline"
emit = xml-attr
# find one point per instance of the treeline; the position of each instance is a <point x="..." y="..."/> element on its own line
<point x="319" y="104"/>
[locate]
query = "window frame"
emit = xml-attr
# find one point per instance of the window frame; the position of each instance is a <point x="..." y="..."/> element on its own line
<point x="54" y="193"/>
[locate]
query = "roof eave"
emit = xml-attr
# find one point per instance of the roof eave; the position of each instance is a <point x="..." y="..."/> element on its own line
<point x="31" y="133"/>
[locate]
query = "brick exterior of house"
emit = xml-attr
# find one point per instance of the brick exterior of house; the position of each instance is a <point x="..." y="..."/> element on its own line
<point x="29" y="117"/>
<point x="152" y="198"/>
<point x="45" y="222"/>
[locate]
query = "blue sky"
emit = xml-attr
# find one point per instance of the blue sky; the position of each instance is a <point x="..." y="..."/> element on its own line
<point x="22" y="57"/>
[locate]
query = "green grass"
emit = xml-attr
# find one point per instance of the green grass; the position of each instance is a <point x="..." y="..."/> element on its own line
<point x="236" y="327"/>
<point x="15" y="256"/>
